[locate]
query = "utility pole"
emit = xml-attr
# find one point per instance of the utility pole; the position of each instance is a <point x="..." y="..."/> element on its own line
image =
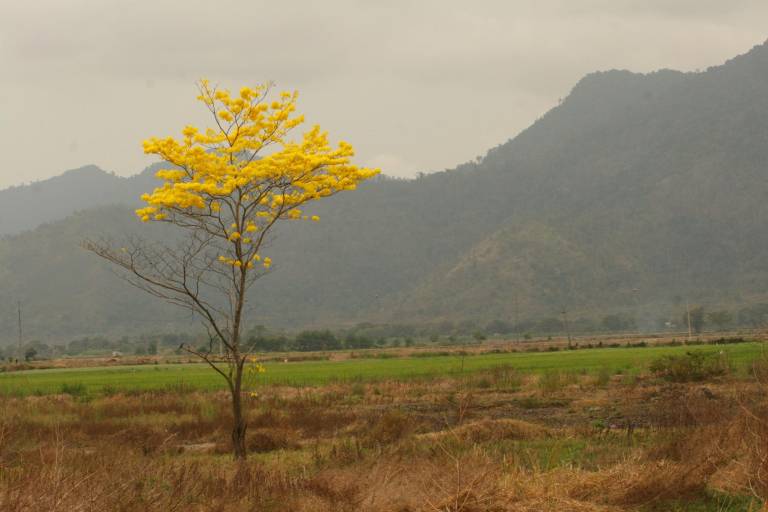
<point x="688" y="312"/>
<point x="515" y="318"/>
<point x="567" y="327"/>
<point x="636" y="308"/>
<point x="21" y="336"/>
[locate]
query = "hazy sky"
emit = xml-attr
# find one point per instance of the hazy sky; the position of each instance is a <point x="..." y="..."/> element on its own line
<point x="414" y="85"/>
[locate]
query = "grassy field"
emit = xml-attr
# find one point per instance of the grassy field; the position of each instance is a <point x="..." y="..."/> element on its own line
<point x="313" y="373"/>
<point x="495" y="440"/>
<point x="584" y="431"/>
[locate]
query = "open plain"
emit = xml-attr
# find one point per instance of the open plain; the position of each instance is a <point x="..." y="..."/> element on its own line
<point x="602" y="429"/>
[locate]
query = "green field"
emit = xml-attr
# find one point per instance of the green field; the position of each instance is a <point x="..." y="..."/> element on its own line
<point x="310" y="373"/>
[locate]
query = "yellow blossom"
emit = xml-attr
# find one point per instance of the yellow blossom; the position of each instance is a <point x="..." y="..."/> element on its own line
<point x="256" y="367"/>
<point x="214" y="179"/>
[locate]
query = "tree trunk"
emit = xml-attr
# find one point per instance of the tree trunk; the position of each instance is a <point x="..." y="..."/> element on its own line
<point x="239" y="425"/>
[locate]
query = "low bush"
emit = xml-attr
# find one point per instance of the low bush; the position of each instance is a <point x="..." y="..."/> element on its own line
<point x="727" y="341"/>
<point x="74" y="389"/>
<point x="603" y="377"/>
<point x="506" y="377"/>
<point x="387" y="428"/>
<point x="267" y="440"/>
<point x="554" y="381"/>
<point x="440" y="353"/>
<point x="692" y="366"/>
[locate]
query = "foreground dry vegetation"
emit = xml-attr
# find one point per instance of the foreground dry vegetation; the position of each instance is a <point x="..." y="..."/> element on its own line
<point x="488" y="441"/>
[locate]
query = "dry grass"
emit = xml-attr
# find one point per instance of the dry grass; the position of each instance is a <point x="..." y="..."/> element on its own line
<point x="488" y="443"/>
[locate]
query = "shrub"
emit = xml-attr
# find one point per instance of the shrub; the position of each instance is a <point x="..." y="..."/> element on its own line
<point x="727" y="341"/>
<point x="692" y="366"/>
<point x="74" y="389"/>
<point x="390" y="427"/>
<point x="109" y="390"/>
<point x="552" y="381"/>
<point x="267" y="440"/>
<point x="506" y="377"/>
<point x="440" y="353"/>
<point x="603" y="377"/>
<point x="483" y="383"/>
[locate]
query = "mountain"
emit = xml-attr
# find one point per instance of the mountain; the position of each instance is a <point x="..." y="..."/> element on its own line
<point x="26" y="207"/>
<point x="637" y="192"/>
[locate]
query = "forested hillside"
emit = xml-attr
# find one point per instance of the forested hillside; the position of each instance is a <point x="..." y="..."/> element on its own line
<point x="634" y="194"/>
<point x="27" y="206"/>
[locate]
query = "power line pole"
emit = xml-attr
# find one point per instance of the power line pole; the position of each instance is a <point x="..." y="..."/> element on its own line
<point x="21" y="336"/>
<point x="515" y="318"/>
<point x="688" y="312"/>
<point x="636" y="309"/>
<point x="567" y="327"/>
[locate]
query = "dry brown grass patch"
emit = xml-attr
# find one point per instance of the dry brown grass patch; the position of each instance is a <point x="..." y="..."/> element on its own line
<point x="488" y="430"/>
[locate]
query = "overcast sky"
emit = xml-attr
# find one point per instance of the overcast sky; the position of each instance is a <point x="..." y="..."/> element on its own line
<point x="414" y="85"/>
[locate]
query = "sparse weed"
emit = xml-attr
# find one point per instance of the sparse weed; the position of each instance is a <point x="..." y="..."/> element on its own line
<point x="77" y="389"/>
<point x="603" y="377"/>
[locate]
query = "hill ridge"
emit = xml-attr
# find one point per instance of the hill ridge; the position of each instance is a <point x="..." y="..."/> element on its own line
<point x="635" y="191"/>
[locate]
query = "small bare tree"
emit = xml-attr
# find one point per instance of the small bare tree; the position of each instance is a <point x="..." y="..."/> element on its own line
<point x="226" y="195"/>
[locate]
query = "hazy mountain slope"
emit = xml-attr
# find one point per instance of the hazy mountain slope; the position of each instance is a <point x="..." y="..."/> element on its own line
<point x="655" y="182"/>
<point x="635" y="191"/>
<point x="27" y="206"/>
<point x="66" y="291"/>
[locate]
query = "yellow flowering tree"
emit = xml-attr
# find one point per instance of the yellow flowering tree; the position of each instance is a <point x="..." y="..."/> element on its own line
<point x="226" y="187"/>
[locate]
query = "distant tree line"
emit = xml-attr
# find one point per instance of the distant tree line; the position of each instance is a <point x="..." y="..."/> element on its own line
<point x="318" y="340"/>
<point x="96" y="346"/>
<point x="368" y="335"/>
